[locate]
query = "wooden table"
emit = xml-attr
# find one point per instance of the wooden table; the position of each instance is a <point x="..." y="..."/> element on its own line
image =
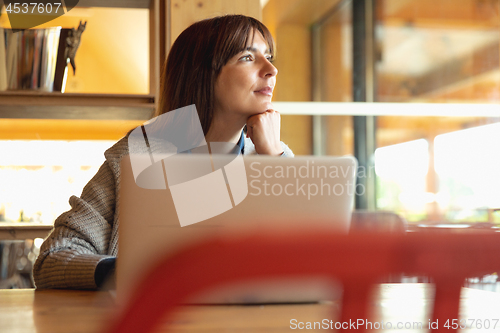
<point x="54" y="311"/>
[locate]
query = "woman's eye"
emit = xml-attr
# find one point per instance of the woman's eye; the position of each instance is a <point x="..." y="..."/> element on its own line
<point x="270" y="58"/>
<point x="246" y="58"/>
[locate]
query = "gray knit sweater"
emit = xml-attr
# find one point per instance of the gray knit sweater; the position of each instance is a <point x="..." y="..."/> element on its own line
<point x="88" y="232"/>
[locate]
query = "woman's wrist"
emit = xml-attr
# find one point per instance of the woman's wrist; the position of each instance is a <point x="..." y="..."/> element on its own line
<point x="270" y="152"/>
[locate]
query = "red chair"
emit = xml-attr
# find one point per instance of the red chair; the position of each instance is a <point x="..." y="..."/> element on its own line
<point x="357" y="260"/>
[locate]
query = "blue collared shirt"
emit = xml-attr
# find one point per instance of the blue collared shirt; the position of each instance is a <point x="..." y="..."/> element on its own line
<point x="239" y="149"/>
<point x="241" y="143"/>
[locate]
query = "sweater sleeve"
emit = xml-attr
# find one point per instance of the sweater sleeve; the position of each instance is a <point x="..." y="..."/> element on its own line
<point x="80" y="238"/>
<point x="287" y="152"/>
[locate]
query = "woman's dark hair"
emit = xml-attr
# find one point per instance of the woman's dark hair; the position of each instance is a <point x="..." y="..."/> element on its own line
<point x="196" y="59"/>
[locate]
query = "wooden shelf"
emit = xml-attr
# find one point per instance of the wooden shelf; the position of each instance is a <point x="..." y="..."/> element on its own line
<point x="23" y="230"/>
<point x="115" y="3"/>
<point x="54" y="105"/>
<point x="44" y="105"/>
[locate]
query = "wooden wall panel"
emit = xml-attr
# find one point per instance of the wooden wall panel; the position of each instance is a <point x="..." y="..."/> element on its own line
<point x="186" y="12"/>
<point x="294" y="83"/>
<point x="290" y="23"/>
<point x="336" y="81"/>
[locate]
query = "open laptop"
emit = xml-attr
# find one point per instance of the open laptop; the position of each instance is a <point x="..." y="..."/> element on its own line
<point x="228" y="195"/>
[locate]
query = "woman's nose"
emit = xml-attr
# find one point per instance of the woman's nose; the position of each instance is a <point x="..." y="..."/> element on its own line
<point x="269" y="69"/>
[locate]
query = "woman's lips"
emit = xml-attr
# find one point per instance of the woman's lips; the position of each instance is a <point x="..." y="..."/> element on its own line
<point x="266" y="91"/>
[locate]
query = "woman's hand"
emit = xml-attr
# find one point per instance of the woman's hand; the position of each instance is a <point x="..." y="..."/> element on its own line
<point x="264" y="131"/>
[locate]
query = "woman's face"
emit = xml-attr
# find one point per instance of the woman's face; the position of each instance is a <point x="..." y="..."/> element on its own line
<point x="245" y="84"/>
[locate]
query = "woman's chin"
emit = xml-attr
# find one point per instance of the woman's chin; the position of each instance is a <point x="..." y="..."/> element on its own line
<point x="260" y="109"/>
<point x="267" y="106"/>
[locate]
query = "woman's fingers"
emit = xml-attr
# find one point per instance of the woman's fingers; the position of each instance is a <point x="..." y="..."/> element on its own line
<point x="264" y="130"/>
<point x="249" y="131"/>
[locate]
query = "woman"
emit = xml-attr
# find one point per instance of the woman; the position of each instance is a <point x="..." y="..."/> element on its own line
<point x="223" y="66"/>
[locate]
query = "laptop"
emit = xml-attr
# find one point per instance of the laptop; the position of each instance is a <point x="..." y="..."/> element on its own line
<point x="169" y="204"/>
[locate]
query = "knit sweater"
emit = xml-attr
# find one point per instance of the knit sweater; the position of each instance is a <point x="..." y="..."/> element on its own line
<point x="88" y="232"/>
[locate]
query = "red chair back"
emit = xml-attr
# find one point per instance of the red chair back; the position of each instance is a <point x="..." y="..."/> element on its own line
<point x="357" y="260"/>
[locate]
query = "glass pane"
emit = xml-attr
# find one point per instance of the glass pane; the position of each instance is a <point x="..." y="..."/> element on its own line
<point x="467" y="171"/>
<point x="442" y="51"/>
<point x="37" y="183"/>
<point x="401" y="173"/>
<point x="438" y="51"/>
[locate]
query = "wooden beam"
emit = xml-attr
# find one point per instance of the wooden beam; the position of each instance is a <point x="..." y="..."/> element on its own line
<point x="482" y="88"/>
<point x="389" y="109"/>
<point x="481" y="61"/>
<point x="459" y="74"/>
<point x="441" y="13"/>
<point x="425" y="23"/>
